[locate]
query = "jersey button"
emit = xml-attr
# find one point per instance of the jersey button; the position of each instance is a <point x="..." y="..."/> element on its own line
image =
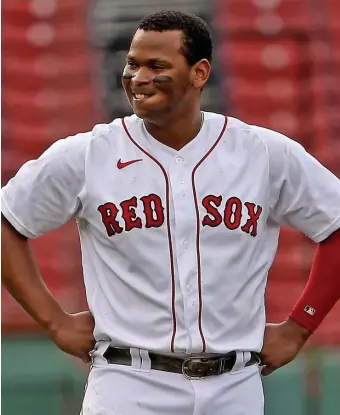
<point x="181" y="181"/>
<point x="186" y="244"/>
<point x="189" y="288"/>
<point x="179" y="160"/>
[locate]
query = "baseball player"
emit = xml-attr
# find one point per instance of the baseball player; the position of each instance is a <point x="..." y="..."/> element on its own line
<point x="179" y="213"/>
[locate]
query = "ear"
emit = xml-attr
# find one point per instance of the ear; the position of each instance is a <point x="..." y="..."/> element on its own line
<point x="200" y="73"/>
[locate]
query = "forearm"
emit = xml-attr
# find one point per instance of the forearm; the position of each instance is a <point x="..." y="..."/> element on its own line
<point x="323" y="288"/>
<point x="22" y="279"/>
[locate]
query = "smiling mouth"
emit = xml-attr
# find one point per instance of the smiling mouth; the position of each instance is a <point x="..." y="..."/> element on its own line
<point x="141" y="97"/>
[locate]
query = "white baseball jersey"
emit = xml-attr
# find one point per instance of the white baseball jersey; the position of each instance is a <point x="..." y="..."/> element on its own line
<point x="176" y="245"/>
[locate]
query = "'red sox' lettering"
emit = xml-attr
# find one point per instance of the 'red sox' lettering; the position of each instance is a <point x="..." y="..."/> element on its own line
<point x="251" y="225"/>
<point x="109" y="212"/>
<point x="232" y="214"/>
<point x="153" y="210"/>
<point x="129" y="214"/>
<point x="208" y="202"/>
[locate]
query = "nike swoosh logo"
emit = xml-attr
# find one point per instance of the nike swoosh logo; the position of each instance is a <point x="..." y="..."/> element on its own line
<point x="121" y="164"/>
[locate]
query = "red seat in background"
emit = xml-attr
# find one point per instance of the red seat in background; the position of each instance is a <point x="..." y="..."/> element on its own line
<point x="11" y="161"/>
<point x="48" y="93"/>
<point x="281" y="295"/>
<point x="30" y="42"/>
<point x="34" y="139"/>
<point x="275" y="94"/>
<point x="47" y="71"/>
<point x="48" y="104"/>
<point x="261" y="58"/>
<point x="59" y="261"/>
<point x="271" y="18"/>
<point x="25" y="13"/>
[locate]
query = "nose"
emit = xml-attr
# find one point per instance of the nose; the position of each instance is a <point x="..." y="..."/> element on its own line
<point x="142" y="76"/>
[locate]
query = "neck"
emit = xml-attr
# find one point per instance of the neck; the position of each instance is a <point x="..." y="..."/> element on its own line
<point x="176" y="132"/>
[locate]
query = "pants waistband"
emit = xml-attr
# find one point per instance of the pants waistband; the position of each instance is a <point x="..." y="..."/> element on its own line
<point x="192" y="367"/>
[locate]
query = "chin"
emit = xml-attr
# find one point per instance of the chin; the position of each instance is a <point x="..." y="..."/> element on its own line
<point x="144" y="111"/>
<point x="152" y="107"/>
<point x="141" y="113"/>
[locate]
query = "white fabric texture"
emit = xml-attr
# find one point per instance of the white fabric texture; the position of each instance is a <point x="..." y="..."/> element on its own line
<point x="180" y="265"/>
<point x="119" y="390"/>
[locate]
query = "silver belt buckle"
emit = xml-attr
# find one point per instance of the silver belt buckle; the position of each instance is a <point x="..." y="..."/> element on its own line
<point x="186" y="367"/>
<point x="192" y="360"/>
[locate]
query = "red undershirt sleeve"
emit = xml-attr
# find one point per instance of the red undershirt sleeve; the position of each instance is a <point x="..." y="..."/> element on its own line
<point x="323" y="287"/>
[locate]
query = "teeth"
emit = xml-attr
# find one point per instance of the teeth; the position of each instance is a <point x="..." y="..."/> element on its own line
<point x="141" y="96"/>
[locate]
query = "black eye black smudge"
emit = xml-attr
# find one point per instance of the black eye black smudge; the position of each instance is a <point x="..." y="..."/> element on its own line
<point x="162" y="78"/>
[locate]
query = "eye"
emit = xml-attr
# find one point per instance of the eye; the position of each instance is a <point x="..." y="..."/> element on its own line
<point x="131" y="65"/>
<point x="158" y="67"/>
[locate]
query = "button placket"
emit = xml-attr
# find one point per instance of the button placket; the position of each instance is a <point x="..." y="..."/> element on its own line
<point x="184" y="232"/>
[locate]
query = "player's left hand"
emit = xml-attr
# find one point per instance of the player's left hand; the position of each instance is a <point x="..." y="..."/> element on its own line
<point x="282" y="342"/>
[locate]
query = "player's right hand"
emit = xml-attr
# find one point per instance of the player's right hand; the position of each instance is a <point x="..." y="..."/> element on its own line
<point x="73" y="334"/>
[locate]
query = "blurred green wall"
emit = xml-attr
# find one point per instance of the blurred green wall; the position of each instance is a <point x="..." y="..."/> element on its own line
<point x="38" y="379"/>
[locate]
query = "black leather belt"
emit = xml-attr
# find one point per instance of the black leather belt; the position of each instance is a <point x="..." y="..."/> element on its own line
<point x="191" y="367"/>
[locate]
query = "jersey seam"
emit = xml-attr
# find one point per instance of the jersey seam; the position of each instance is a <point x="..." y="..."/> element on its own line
<point x="257" y="136"/>
<point x="82" y="190"/>
<point x="236" y="127"/>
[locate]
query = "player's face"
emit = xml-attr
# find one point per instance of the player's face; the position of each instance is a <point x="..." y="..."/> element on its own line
<point x="157" y="78"/>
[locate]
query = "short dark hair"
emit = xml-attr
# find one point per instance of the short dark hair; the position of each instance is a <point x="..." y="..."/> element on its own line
<point x="197" y="42"/>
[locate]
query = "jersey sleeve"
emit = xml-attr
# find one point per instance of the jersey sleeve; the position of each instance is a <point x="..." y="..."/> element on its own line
<point x="44" y="194"/>
<point x="305" y="195"/>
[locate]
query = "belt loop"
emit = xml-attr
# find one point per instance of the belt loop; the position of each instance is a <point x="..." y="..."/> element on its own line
<point x="247" y="357"/>
<point x="136" y="360"/>
<point x="239" y="362"/>
<point x="146" y="361"/>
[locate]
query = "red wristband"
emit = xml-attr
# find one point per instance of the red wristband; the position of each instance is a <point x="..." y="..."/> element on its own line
<point x="323" y="287"/>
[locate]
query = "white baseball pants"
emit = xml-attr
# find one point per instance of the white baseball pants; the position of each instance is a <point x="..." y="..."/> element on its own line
<point x="126" y="390"/>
